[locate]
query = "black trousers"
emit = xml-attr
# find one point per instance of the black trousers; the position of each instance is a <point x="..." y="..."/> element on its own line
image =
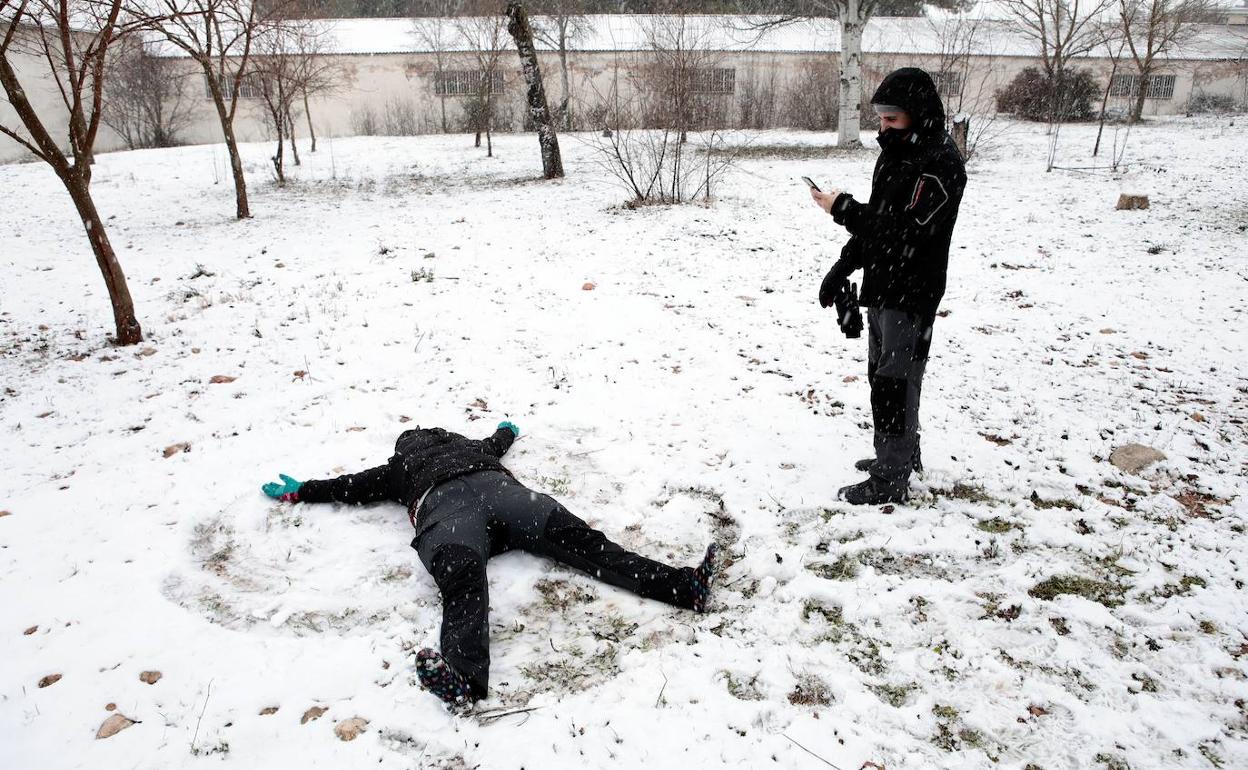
<point x="465" y="521"/>
<point x="897" y="348"/>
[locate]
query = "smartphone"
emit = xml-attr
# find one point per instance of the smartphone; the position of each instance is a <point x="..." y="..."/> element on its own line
<point x="811" y="184"/>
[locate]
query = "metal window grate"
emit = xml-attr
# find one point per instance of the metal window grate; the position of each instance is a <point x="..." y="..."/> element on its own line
<point x="716" y="80"/>
<point x="948" y="83"/>
<point x="248" y="88"/>
<point x="465" y="82"/>
<point x="1157" y="87"/>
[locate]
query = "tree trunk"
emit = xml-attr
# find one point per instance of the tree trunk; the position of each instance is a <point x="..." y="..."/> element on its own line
<point x="565" y="101"/>
<point x="76" y="182"/>
<point x="1141" y="88"/>
<point x="539" y="110"/>
<point x="1109" y="84"/>
<point x="279" y="157"/>
<point x="128" y="330"/>
<point x="849" y="117"/>
<point x="961" y="128"/>
<point x="307" y="112"/>
<point x="290" y="131"/>
<point x="231" y="145"/>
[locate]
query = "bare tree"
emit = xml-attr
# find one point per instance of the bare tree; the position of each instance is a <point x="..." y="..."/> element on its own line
<point x="485" y="37"/>
<point x="275" y="74"/>
<point x="436" y="36"/>
<point x="1062" y="30"/>
<point x="560" y="24"/>
<point x="683" y="79"/>
<point x="968" y="91"/>
<point x="520" y="30"/>
<point x="73" y="40"/>
<point x="853" y="16"/>
<point x="220" y="36"/>
<point x="317" y="72"/>
<point x="145" y="97"/>
<point x="1152" y="28"/>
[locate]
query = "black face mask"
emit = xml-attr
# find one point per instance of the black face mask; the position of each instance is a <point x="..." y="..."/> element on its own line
<point x="894" y="137"/>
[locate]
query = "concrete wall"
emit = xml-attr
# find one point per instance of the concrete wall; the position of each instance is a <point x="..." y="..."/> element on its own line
<point x="398" y="91"/>
<point x="40" y="87"/>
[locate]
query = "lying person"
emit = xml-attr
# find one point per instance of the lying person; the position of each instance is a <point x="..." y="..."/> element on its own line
<point x="466" y="507"/>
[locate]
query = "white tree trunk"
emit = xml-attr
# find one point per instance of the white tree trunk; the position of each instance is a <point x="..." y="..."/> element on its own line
<point x="849" y="115"/>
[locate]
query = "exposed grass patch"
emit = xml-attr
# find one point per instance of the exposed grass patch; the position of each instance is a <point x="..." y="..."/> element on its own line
<point x="572" y="670"/>
<point x="562" y="594"/>
<point x="1182" y="588"/>
<point x="810" y="690"/>
<point x="783" y="152"/>
<point x="1061" y="502"/>
<point x="971" y="493"/>
<point x="1102" y="592"/>
<point x="894" y="695"/>
<point x="844" y="568"/>
<point x="998" y="526"/>
<point x="742" y="688"/>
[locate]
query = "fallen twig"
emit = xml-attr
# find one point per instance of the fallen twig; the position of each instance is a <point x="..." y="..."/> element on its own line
<point x="490" y="716"/>
<point x="808" y="751"/>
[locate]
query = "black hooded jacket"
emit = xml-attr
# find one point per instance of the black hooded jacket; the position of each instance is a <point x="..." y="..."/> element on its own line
<point x="423" y="458"/>
<point x="900" y="237"/>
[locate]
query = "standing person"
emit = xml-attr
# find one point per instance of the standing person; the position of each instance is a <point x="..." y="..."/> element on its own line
<point x="466" y="507"/>
<point x="900" y="240"/>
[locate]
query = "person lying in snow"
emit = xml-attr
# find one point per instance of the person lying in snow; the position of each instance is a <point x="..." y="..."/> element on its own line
<point x="466" y="507"/>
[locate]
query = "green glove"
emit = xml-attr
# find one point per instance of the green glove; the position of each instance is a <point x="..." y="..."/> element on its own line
<point x="287" y="490"/>
<point x="511" y="426"/>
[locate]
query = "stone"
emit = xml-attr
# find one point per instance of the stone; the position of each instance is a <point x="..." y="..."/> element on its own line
<point x="1133" y="458"/>
<point x="49" y="680"/>
<point x="150" y="677"/>
<point x="313" y="713"/>
<point x="1127" y="202"/>
<point x="113" y="725"/>
<point x="350" y="729"/>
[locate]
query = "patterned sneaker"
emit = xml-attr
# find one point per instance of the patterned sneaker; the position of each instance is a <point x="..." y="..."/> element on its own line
<point x="441" y="680"/>
<point x="702" y="577"/>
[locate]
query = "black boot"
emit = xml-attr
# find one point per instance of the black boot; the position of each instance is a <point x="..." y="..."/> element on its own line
<point x="443" y="681"/>
<point x="867" y="464"/>
<point x="871" y="492"/>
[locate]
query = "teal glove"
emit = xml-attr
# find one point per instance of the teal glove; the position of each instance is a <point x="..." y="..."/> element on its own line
<point x="287" y="490"/>
<point x="511" y="426"/>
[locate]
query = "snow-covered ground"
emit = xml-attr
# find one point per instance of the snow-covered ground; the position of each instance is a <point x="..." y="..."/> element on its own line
<point x="698" y="391"/>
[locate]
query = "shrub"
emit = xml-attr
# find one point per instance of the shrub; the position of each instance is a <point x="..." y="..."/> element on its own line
<point x="1035" y="95"/>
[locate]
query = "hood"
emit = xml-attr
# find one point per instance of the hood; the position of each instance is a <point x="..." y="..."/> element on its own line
<point x="913" y="90"/>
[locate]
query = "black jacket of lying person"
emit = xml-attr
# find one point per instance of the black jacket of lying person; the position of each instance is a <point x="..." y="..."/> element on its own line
<point x="466" y="507"/>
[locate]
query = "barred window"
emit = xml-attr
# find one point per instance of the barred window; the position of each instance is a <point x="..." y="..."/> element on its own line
<point x="1157" y="86"/>
<point x="248" y="88"/>
<point x="948" y="84"/>
<point x="465" y="82"/>
<point x="716" y="80"/>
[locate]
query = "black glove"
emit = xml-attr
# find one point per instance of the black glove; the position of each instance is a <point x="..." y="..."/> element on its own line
<point x="848" y="316"/>
<point x="833" y="282"/>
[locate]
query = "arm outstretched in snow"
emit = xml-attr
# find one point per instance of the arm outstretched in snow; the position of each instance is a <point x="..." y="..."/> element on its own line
<point x="370" y="486"/>
<point x="501" y="441"/>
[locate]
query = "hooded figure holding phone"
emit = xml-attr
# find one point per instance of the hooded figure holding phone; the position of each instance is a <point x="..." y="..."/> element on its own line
<point x="900" y="239"/>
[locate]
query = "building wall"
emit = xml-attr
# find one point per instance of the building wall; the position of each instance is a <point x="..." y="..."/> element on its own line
<point x="771" y="89"/>
<point x="36" y="80"/>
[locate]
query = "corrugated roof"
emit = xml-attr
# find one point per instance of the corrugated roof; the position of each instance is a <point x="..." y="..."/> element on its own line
<point x="637" y="32"/>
